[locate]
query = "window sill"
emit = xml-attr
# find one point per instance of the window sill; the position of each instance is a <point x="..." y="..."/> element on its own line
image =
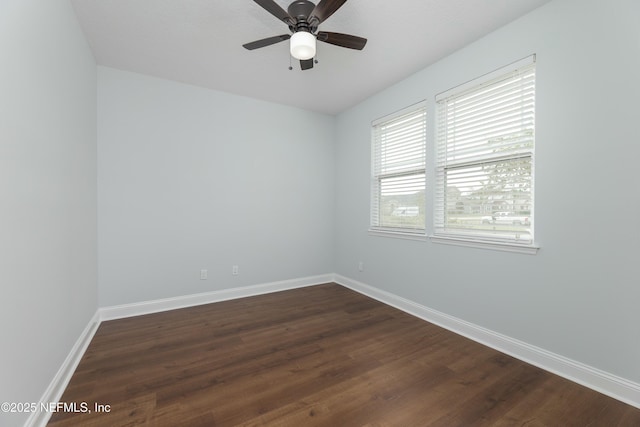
<point x="398" y="234"/>
<point x="495" y="246"/>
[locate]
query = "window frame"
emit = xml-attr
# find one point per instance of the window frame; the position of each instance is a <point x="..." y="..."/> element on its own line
<point x="376" y="228"/>
<point x="443" y="231"/>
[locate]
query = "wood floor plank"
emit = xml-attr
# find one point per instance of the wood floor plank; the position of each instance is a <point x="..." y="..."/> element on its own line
<point x="316" y="356"/>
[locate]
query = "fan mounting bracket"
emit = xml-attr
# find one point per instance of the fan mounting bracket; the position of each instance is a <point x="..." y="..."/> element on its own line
<point x="301" y="9"/>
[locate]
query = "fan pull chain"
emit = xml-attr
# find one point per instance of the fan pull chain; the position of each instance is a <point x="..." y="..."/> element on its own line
<point x="290" y="66"/>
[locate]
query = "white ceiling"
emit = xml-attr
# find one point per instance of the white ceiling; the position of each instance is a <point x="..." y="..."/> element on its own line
<point x="200" y="42"/>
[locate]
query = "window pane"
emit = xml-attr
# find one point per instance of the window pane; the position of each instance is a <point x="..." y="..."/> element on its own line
<point x="402" y="201"/>
<point x="493" y="199"/>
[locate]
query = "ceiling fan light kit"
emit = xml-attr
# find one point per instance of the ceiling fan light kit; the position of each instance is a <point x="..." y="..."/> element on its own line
<point x="303" y="45"/>
<point x="303" y="18"/>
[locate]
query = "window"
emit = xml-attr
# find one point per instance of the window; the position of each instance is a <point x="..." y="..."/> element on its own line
<point x="485" y="158"/>
<point x="398" y="172"/>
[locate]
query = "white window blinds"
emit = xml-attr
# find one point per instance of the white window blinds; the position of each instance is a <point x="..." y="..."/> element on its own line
<point x="484" y="158"/>
<point x="398" y="171"/>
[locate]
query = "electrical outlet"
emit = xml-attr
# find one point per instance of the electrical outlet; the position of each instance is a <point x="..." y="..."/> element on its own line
<point x="361" y="266"/>
<point x="203" y="274"/>
<point x="234" y="270"/>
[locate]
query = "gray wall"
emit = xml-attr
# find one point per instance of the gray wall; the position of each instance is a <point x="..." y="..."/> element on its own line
<point x="578" y="297"/>
<point x="48" y="226"/>
<point x="192" y="179"/>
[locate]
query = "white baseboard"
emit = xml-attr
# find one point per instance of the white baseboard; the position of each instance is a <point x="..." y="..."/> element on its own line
<point x="155" y="306"/>
<point x="53" y="393"/>
<point x="596" y="379"/>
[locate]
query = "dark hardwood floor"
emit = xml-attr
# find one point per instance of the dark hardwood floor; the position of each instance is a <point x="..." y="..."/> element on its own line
<point x="317" y="356"/>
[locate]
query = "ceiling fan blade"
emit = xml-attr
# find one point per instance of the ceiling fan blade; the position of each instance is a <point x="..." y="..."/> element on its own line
<point x="266" y="42"/>
<point x="306" y="64"/>
<point x="272" y="7"/>
<point x="343" y="40"/>
<point x="325" y="9"/>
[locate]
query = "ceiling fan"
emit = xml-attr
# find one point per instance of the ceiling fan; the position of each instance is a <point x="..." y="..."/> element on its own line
<point x="303" y="18"/>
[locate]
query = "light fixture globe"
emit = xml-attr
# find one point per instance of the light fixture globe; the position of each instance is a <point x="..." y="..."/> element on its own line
<point x="303" y="45"/>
